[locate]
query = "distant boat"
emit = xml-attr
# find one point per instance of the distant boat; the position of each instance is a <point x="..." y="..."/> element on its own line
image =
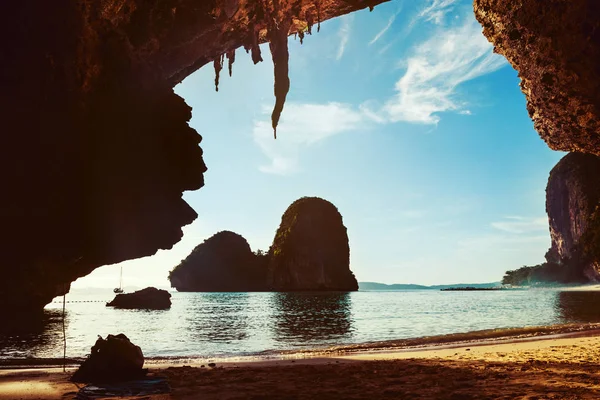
<point x="120" y="288"/>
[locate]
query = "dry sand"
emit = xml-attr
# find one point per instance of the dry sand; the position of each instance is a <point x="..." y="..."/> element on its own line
<point x="550" y="367"/>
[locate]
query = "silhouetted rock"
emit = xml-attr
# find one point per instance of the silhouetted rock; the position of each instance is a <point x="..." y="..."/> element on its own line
<point x="92" y="122"/>
<point x="310" y="250"/>
<point x="112" y="359"/>
<point x="150" y="298"/>
<point x="222" y="263"/>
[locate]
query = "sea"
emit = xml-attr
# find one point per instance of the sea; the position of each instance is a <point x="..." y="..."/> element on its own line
<point x="226" y="325"/>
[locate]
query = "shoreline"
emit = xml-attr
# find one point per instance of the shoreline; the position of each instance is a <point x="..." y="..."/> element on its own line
<point x="410" y="346"/>
<point x="550" y="365"/>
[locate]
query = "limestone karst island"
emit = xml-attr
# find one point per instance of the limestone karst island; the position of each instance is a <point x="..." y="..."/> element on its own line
<point x="300" y="199"/>
<point x="309" y="252"/>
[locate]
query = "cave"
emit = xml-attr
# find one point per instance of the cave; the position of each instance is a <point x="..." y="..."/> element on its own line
<point x="99" y="149"/>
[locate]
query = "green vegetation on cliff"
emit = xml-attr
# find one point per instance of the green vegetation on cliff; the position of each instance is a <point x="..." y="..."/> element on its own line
<point x="545" y="274"/>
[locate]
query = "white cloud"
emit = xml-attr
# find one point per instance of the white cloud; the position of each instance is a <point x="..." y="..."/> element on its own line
<point x="520" y="225"/>
<point x="302" y="125"/>
<point x="435" y="69"/>
<point x="384" y="30"/>
<point x="436" y="10"/>
<point x="344" y="34"/>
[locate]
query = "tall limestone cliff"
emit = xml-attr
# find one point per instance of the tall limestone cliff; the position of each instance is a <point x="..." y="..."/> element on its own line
<point x="572" y="205"/>
<point x="572" y="197"/>
<point x="310" y="250"/>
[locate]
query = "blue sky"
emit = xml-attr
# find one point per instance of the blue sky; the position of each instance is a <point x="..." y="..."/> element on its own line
<point x="404" y="119"/>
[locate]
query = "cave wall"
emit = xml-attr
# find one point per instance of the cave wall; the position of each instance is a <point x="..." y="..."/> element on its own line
<point x="555" y="47"/>
<point x="98" y="150"/>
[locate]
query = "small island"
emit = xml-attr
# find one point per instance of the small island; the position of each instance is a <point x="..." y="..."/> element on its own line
<point x="471" y="288"/>
<point x="222" y="263"/>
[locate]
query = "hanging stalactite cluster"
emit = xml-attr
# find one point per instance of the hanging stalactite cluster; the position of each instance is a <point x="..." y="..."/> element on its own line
<point x="278" y="22"/>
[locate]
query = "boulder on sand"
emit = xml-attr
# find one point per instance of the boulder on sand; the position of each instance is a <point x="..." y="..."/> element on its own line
<point x="150" y="298"/>
<point x="112" y="359"/>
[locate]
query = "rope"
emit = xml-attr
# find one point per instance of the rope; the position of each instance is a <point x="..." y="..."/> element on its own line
<point x="64" y="331"/>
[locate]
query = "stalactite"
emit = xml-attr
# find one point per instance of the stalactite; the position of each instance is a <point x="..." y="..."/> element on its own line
<point x="318" y="16"/>
<point x="301" y="34"/>
<point x="231" y="59"/>
<point x="309" y="22"/>
<point x="218" y="67"/>
<point x="256" y="56"/>
<point x="278" y="44"/>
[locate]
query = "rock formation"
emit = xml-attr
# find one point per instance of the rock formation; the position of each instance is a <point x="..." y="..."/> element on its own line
<point x="97" y="148"/>
<point x="572" y="196"/>
<point x="112" y="359"/>
<point x="572" y="205"/>
<point x="222" y="263"/>
<point x="310" y="250"/>
<point x="555" y="47"/>
<point x="150" y="298"/>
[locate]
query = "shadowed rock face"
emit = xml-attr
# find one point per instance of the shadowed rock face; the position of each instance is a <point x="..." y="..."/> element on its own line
<point x="97" y="148"/>
<point x="572" y="195"/>
<point x="150" y="298"/>
<point x="222" y="263"/>
<point x="555" y="47"/>
<point x="310" y="250"/>
<point x="112" y="359"/>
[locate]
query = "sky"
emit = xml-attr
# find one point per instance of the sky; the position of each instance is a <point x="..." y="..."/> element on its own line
<point x="404" y="119"/>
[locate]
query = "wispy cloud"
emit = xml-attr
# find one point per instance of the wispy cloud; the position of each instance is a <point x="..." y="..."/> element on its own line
<point x="344" y="34"/>
<point x="302" y="125"/>
<point x="521" y="244"/>
<point x="436" y="10"/>
<point x="436" y="68"/>
<point x="384" y="30"/>
<point x="515" y="224"/>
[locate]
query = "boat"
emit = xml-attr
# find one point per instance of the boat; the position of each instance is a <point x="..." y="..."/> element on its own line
<point x="120" y="288"/>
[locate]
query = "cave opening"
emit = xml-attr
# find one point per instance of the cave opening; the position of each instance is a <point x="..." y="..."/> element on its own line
<point x="337" y="117"/>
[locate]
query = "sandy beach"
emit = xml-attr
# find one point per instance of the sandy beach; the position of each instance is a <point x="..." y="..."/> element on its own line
<point x="553" y="366"/>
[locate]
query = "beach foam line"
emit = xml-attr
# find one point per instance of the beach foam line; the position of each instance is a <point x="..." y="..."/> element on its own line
<point x="413" y="345"/>
<point x="421" y="344"/>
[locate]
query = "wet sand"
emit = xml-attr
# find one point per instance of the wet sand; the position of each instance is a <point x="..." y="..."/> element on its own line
<point x="559" y="366"/>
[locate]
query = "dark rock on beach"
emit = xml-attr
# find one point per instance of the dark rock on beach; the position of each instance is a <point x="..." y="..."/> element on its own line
<point x="112" y="359"/>
<point x="150" y="298"/>
<point x="310" y="250"/>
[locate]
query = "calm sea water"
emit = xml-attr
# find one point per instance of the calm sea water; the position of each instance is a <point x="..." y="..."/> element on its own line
<point x="239" y="324"/>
